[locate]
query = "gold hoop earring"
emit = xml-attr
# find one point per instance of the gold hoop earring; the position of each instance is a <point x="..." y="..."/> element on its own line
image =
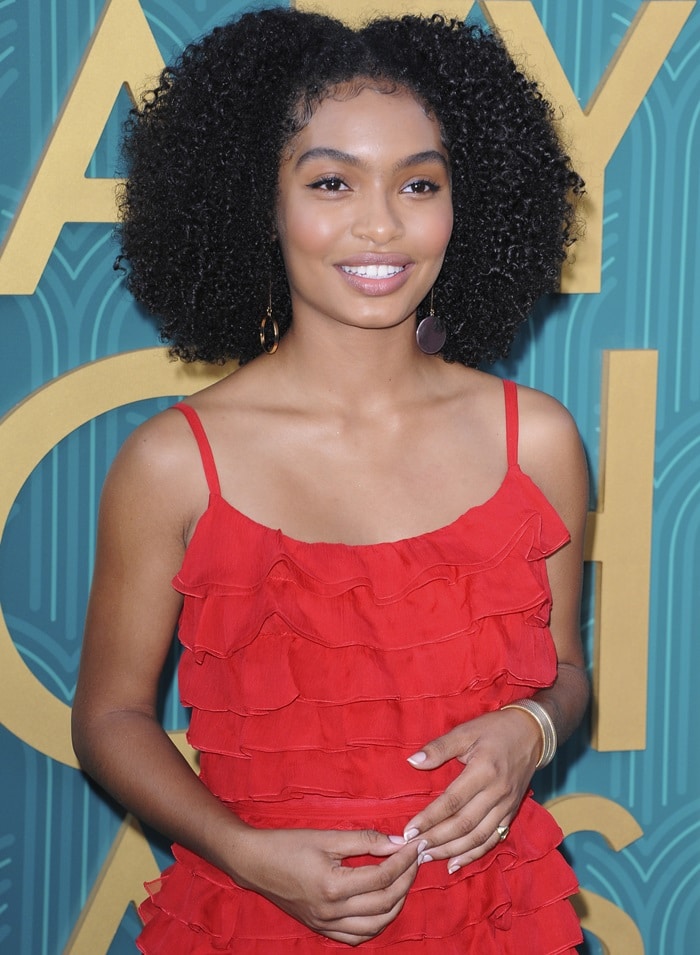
<point x="269" y="345"/>
<point x="431" y="334"/>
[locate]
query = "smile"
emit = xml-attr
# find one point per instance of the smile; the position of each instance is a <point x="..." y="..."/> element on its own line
<point x="373" y="271"/>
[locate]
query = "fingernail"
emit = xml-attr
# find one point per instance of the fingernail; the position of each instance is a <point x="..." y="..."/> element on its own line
<point x="410" y="834"/>
<point x="424" y="857"/>
<point x="453" y="867"/>
<point x="397" y="840"/>
<point x="417" y="759"/>
<point x="422" y="845"/>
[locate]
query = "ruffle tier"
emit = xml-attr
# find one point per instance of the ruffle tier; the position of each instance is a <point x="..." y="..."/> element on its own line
<point x="231" y="553"/>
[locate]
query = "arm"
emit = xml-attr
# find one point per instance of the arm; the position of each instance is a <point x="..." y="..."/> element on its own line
<point x="151" y="501"/>
<point x="500" y="750"/>
<point x="132" y="614"/>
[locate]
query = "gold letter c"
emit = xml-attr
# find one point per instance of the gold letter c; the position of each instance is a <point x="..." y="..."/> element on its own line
<point x="27" y="433"/>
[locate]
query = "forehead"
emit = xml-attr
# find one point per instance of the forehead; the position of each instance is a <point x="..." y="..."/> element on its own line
<point x="369" y="121"/>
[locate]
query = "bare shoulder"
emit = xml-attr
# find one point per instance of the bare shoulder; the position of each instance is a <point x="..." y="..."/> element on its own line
<point x="158" y="474"/>
<point x="551" y="453"/>
<point x="157" y="449"/>
<point x="544" y="421"/>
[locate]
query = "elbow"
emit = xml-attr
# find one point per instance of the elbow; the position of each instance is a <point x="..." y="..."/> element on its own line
<point x="80" y="736"/>
<point x="88" y="735"/>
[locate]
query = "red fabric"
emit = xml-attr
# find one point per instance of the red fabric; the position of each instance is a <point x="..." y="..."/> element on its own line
<point x="314" y="670"/>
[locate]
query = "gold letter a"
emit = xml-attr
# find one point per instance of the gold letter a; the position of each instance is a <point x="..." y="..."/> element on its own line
<point x="122" y="51"/>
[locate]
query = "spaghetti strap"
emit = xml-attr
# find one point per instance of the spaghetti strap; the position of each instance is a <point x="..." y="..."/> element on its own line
<point x="510" y="393"/>
<point x="204" y="447"/>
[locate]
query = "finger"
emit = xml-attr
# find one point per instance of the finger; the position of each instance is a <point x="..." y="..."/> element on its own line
<point x="353" y="940"/>
<point x="374" y="905"/>
<point x="451" y="845"/>
<point x="364" y="842"/>
<point x="366" y="925"/>
<point x="457" y="799"/>
<point x="363" y="880"/>
<point x="480" y="840"/>
<point x="459" y="859"/>
<point x="484" y="834"/>
<point x="359" y="917"/>
<point x="357" y="931"/>
<point x="438" y="751"/>
<point x="472" y="820"/>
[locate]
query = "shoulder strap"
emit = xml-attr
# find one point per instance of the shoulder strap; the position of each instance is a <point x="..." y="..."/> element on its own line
<point x="510" y="393"/>
<point x="204" y="447"/>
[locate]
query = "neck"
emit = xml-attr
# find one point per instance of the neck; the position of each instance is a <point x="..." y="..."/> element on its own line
<point x="357" y="369"/>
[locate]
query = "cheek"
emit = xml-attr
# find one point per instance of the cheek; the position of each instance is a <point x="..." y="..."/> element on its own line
<point x="434" y="230"/>
<point x="305" y="231"/>
<point x="444" y="232"/>
<point x="443" y="228"/>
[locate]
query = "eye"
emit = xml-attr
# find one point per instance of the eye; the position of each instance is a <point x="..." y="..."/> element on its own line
<point x="421" y="187"/>
<point x="329" y="184"/>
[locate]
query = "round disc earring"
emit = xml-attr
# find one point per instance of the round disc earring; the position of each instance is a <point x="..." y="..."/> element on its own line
<point x="431" y="334"/>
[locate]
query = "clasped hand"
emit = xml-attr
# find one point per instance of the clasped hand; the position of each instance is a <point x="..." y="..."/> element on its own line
<point x="302" y="871"/>
<point x="499" y="752"/>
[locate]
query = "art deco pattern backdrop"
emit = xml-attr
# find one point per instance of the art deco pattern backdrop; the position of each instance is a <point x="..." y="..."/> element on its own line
<point x="80" y="367"/>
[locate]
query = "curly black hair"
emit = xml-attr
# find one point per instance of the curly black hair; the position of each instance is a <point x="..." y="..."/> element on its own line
<point x="203" y="154"/>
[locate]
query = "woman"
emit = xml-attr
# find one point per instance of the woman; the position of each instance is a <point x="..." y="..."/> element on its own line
<point x="360" y="218"/>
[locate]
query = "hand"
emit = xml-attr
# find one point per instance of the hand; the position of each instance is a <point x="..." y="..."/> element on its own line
<point x="301" y="871"/>
<point x="499" y="751"/>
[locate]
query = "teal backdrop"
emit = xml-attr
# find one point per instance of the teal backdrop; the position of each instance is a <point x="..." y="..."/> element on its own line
<point x="56" y="829"/>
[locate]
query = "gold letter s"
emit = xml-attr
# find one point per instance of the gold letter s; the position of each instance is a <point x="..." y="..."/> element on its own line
<point x="614" y="929"/>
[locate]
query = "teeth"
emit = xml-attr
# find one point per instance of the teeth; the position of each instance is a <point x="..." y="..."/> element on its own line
<point x="372" y="271"/>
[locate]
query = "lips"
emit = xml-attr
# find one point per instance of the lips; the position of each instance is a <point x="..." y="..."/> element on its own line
<point x="374" y="274"/>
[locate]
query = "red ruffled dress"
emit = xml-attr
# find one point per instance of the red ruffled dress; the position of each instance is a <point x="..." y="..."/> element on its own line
<point x="314" y="670"/>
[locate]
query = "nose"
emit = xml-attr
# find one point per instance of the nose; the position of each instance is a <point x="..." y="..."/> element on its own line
<point x="378" y="218"/>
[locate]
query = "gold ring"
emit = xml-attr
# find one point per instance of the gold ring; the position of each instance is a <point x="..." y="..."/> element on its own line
<point x="502" y="832"/>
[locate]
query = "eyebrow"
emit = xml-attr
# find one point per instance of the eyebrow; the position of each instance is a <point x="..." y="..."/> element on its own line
<point x="337" y="155"/>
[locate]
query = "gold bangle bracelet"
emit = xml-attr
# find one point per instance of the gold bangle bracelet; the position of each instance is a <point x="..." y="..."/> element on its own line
<point x="547" y="728"/>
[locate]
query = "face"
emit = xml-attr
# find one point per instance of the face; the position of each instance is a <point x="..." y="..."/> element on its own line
<point x="364" y="211"/>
